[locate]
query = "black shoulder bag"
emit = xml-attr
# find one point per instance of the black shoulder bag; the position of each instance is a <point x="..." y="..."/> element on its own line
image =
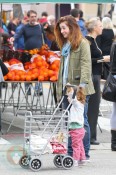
<point x="109" y="90"/>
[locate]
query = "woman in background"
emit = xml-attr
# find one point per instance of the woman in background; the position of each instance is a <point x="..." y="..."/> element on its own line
<point x="105" y="41"/>
<point x="113" y="116"/>
<point x="49" y="31"/>
<point x="94" y="27"/>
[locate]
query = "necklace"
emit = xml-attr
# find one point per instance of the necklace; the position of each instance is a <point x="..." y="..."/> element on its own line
<point x="95" y="42"/>
<point x="97" y="46"/>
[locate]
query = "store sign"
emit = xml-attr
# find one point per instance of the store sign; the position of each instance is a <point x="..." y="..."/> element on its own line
<point x="58" y="1"/>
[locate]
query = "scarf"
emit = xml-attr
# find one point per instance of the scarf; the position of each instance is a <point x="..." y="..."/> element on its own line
<point x="65" y="53"/>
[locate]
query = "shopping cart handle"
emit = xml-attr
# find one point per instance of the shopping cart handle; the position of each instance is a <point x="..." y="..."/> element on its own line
<point x="74" y="93"/>
<point x="64" y="91"/>
<point x="70" y="85"/>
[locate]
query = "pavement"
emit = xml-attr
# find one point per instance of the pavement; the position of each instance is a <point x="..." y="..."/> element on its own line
<point x="102" y="160"/>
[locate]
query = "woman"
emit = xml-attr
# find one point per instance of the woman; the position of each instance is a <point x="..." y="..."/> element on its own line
<point x="75" y="62"/>
<point x="49" y="31"/>
<point x="105" y="42"/>
<point x="107" y="36"/>
<point x="94" y="27"/>
<point x="113" y="116"/>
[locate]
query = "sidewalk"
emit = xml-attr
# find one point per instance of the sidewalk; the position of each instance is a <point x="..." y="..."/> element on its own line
<point x="102" y="163"/>
<point x="103" y="160"/>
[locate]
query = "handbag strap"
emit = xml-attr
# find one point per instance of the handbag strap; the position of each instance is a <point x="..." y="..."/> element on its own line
<point x="42" y="32"/>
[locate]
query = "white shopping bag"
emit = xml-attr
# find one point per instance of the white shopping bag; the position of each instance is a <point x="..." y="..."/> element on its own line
<point x="37" y="144"/>
<point x="18" y="66"/>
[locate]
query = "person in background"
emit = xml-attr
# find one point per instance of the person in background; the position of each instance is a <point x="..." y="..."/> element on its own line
<point x="12" y="25"/>
<point x="47" y="41"/>
<point x="4" y="27"/>
<point x="105" y="41"/>
<point x="76" y="123"/>
<point x="4" y="39"/>
<point x="43" y="18"/>
<point x="51" y="20"/>
<point x="75" y="66"/>
<point x="107" y="36"/>
<point x="113" y="115"/>
<point x="94" y="27"/>
<point x="49" y="31"/>
<point x="19" y="43"/>
<point x="78" y="15"/>
<point x="33" y="34"/>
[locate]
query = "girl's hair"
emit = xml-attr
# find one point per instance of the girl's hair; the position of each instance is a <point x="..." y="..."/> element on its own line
<point x="75" y="35"/>
<point x="107" y="23"/>
<point x="91" y="23"/>
<point x="81" y="95"/>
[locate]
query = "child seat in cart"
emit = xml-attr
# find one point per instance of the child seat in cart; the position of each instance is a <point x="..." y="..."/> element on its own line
<point x="47" y="133"/>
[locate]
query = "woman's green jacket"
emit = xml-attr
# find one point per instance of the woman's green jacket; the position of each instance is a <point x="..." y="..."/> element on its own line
<point x="79" y="65"/>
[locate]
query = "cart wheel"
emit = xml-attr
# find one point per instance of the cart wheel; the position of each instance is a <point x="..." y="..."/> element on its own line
<point x="58" y="161"/>
<point x="35" y="164"/>
<point x="67" y="162"/>
<point x="24" y="161"/>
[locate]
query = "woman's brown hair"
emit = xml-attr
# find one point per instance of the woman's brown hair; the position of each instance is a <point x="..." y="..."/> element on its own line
<point x="75" y="36"/>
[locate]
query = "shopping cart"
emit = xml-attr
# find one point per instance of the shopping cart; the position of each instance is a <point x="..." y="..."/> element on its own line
<point x="47" y="133"/>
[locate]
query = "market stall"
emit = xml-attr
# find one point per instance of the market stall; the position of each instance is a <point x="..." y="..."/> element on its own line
<point x="41" y="67"/>
<point x="30" y="67"/>
<point x="15" y="99"/>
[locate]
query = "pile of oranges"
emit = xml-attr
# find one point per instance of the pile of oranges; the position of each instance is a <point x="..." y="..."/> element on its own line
<point x="41" y="68"/>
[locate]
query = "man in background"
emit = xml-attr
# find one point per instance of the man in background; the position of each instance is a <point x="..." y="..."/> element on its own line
<point x="33" y="38"/>
<point x="78" y="15"/>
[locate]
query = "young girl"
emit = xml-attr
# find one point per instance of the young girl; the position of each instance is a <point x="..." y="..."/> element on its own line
<point x="76" y="124"/>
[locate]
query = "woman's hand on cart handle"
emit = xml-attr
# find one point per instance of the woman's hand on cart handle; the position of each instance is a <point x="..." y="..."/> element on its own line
<point x="70" y="85"/>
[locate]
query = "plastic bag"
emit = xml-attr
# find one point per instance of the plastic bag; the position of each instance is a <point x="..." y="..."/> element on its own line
<point x="18" y="66"/>
<point x="58" y="148"/>
<point x="37" y="144"/>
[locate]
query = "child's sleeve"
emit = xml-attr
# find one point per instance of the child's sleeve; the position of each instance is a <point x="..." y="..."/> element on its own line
<point x="75" y="103"/>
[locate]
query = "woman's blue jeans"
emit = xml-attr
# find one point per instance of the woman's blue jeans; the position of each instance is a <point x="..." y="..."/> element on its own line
<point x="86" y="140"/>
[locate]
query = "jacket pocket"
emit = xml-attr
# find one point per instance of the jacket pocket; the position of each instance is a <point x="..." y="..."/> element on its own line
<point x="75" y="75"/>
